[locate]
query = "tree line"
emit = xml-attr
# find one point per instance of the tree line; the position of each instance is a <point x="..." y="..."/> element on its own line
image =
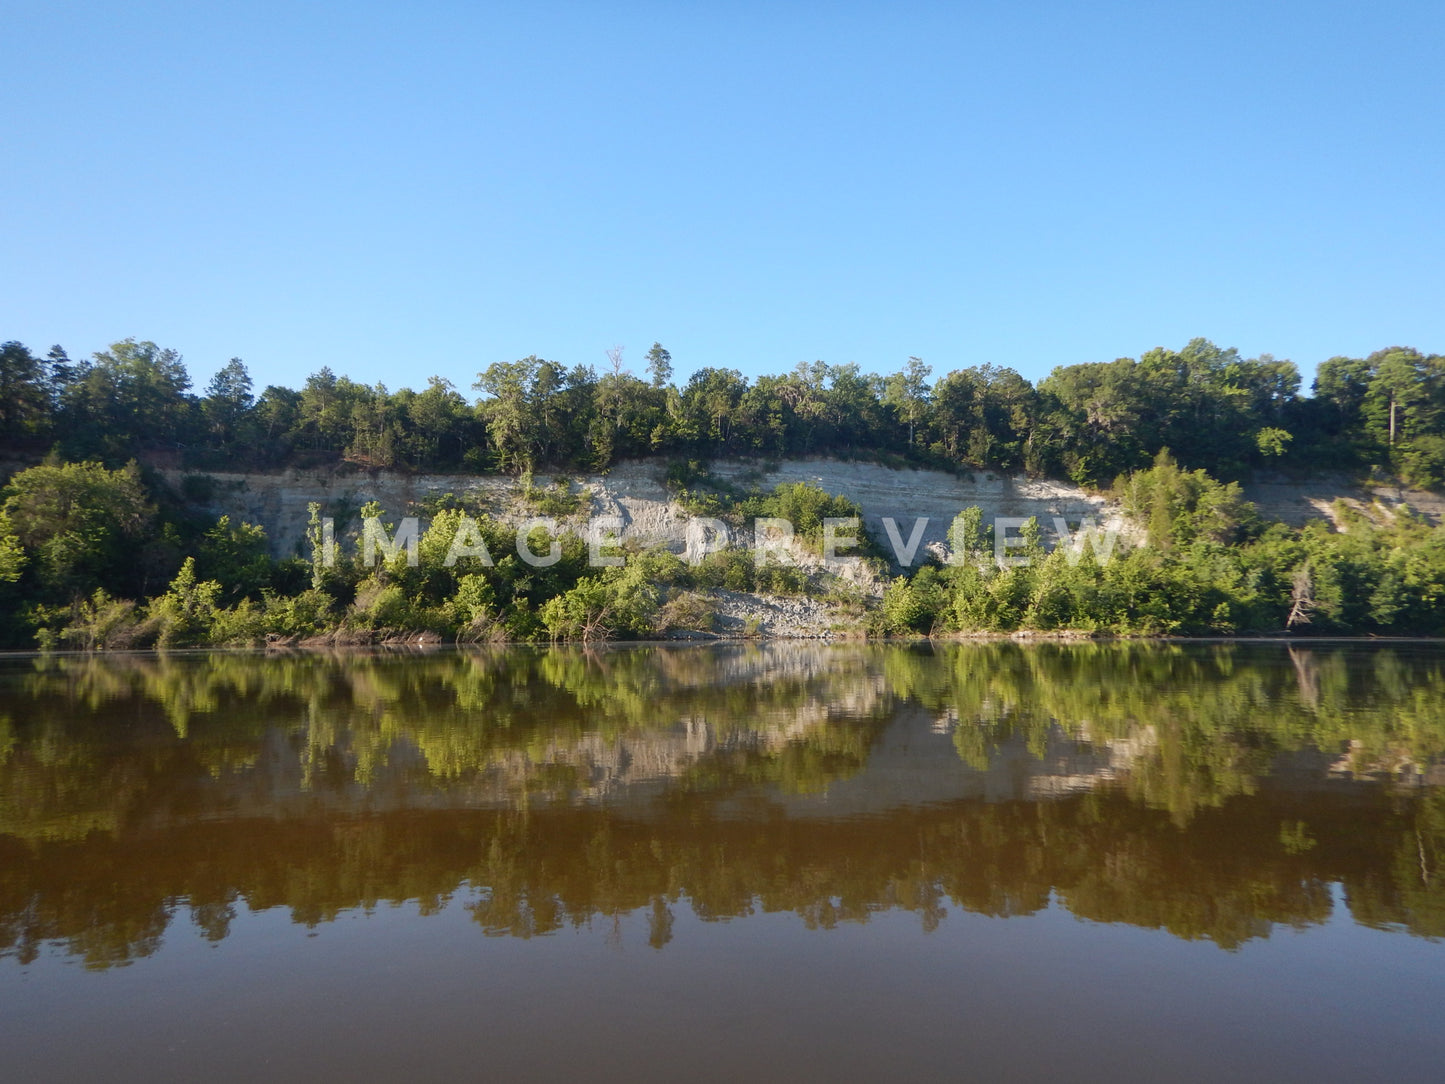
<point x="97" y="551"/>
<point x="1214" y="410"/>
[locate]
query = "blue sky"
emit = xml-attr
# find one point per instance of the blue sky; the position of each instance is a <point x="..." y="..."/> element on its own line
<point x="401" y="190"/>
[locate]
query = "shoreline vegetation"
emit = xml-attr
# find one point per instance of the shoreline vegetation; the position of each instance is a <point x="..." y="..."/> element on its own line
<point x="404" y="644"/>
<point x="98" y="551"/>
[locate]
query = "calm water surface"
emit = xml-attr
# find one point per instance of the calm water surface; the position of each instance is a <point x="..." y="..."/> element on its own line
<point x="1111" y="862"/>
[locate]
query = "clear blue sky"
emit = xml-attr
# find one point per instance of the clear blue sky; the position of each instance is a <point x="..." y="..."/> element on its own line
<point x="397" y="190"/>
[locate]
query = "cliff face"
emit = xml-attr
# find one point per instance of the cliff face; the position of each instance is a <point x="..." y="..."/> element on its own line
<point x="634" y="493"/>
<point x="1294" y="501"/>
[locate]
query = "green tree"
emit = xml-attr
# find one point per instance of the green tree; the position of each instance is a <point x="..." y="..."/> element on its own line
<point x="12" y="553"/>
<point x="508" y="410"/>
<point x="80" y="524"/>
<point x="276" y="422"/>
<point x="227" y="403"/>
<point x="130" y="397"/>
<point x="907" y="393"/>
<point x="710" y="400"/>
<point x="374" y="429"/>
<point x="326" y="408"/>
<point x="235" y="555"/>
<point x="25" y="395"/>
<point x="659" y="366"/>
<point x="440" y="425"/>
<point x="184" y="615"/>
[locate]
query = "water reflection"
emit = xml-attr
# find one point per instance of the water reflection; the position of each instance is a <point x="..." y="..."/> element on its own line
<point x="1212" y="791"/>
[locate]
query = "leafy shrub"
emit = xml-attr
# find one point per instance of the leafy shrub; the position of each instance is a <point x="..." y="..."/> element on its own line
<point x="103" y="623"/>
<point x="688" y="610"/>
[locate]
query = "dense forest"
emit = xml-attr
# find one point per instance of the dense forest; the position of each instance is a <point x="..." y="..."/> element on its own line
<point x="1213" y="409"/>
<point x="98" y="551"/>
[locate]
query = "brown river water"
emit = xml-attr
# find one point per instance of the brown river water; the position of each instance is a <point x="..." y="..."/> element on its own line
<point x="781" y="862"/>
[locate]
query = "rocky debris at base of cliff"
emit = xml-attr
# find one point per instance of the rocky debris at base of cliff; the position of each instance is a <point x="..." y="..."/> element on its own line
<point x="738" y="614"/>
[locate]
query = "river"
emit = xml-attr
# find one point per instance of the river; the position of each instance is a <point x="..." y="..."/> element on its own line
<point x="1122" y="861"/>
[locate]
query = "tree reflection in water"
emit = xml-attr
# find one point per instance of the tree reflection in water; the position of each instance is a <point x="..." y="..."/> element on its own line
<point x="1212" y="791"/>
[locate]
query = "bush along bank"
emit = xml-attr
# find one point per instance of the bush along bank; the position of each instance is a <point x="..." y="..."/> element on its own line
<point x="97" y="558"/>
<point x="1203" y="563"/>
